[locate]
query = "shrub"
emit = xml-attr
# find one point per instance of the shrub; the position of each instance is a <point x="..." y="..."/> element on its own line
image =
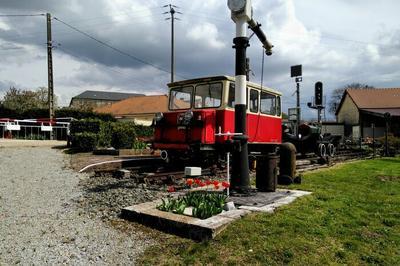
<point x="62" y="112"/>
<point x="393" y="143"/>
<point x="85" y="125"/>
<point x="105" y="133"/>
<point x="84" y="141"/>
<point x="82" y="114"/>
<point x="123" y="135"/>
<point x="144" y="131"/>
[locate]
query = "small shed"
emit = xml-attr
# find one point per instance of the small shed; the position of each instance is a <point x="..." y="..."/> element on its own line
<point x="362" y="109"/>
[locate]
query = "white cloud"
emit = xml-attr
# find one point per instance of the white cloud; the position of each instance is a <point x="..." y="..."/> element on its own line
<point x="4" y="26"/>
<point x="206" y="33"/>
<point x="373" y="52"/>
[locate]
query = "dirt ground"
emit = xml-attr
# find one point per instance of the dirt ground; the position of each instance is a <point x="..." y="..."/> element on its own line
<point x="4" y="143"/>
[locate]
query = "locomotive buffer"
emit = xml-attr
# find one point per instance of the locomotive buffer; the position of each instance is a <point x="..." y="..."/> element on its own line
<point x="241" y="14"/>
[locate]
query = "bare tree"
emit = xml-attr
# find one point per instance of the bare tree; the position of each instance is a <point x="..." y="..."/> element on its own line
<point x="337" y="94"/>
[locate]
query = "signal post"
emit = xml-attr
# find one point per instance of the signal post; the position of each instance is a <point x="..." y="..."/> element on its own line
<point x="241" y="14"/>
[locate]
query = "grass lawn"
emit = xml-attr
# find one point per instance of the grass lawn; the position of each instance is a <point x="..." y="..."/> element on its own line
<point x="352" y="217"/>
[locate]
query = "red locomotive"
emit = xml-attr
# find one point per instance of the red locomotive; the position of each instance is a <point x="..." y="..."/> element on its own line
<point x="201" y="108"/>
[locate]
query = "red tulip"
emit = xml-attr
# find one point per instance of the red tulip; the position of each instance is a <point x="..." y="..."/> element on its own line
<point x="216" y="187"/>
<point x="226" y="184"/>
<point x="208" y="182"/>
<point x="171" y="189"/>
<point x="216" y="183"/>
<point x="189" y="182"/>
<point x="201" y="184"/>
<point x="197" y="181"/>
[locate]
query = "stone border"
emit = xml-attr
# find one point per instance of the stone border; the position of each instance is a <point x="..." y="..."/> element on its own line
<point x="194" y="228"/>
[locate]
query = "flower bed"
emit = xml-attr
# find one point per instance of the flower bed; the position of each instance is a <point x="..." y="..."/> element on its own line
<point x="201" y="204"/>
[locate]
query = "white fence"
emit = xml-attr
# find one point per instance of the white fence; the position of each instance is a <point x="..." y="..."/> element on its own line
<point x="33" y="129"/>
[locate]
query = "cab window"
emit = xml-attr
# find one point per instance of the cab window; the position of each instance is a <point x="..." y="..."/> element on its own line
<point x="231" y="95"/>
<point x="278" y="106"/>
<point x="208" y="95"/>
<point x="253" y="101"/>
<point x="180" y="98"/>
<point x="268" y="103"/>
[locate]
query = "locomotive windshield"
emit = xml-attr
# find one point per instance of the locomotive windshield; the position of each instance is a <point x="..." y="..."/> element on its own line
<point x="180" y="98"/>
<point x="208" y="95"/>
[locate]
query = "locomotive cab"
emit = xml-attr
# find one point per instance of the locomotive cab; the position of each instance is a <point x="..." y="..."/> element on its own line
<point x="201" y="108"/>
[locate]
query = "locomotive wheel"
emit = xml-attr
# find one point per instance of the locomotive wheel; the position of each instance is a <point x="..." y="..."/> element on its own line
<point x="331" y="150"/>
<point x="322" y="150"/>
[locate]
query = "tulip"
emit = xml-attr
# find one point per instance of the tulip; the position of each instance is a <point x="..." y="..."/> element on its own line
<point x="189" y="182"/>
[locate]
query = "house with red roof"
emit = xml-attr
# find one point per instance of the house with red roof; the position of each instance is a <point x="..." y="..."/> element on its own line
<point x="365" y="112"/>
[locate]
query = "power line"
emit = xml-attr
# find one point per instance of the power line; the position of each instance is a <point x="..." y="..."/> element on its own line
<point x="122" y="13"/>
<point x="21" y="15"/>
<point x="106" y="68"/>
<point x="112" y="47"/>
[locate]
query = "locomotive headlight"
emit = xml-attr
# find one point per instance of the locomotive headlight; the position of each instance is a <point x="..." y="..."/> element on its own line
<point x="185" y="118"/>
<point x="158" y="117"/>
<point x="188" y="115"/>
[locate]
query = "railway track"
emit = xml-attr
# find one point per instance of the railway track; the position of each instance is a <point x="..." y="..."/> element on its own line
<point x="154" y="171"/>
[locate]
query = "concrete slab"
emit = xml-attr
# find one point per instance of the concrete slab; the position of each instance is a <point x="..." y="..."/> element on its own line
<point x="198" y="229"/>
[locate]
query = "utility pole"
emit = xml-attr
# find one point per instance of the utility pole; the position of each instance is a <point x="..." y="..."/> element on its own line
<point x="50" y="72"/>
<point x="172" y="12"/>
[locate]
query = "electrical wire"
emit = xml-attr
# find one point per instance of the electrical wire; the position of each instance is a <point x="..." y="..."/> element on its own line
<point x="85" y="58"/>
<point x="113" y="48"/>
<point x="21" y="15"/>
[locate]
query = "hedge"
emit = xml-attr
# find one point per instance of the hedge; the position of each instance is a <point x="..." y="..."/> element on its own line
<point x="123" y="135"/>
<point x="62" y="112"/>
<point x="120" y="135"/>
<point x="84" y="141"/>
<point x="86" y="125"/>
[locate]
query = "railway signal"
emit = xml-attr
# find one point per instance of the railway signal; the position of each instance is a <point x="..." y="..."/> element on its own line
<point x="318" y="93"/>
<point x="241" y="14"/>
<point x="318" y="99"/>
<point x="296" y="72"/>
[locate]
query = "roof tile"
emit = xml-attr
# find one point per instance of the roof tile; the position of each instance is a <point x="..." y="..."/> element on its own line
<point x="375" y="98"/>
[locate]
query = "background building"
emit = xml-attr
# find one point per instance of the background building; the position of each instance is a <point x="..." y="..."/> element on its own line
<point x="140" y="109"/>
<point x="94" y="99"/>
<point x="359" y="109"/>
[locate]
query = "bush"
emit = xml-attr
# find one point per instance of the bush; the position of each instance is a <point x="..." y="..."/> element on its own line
<point x="144" y="131"/>
<point x="105" y="133"/>
<point x="84" y="141"/>
<point x="86" y="125"/>
<point x="393" y="143"/>
<point x="123" y="135"/>
<point x="83" y="114"/>
<point x="120" y="135"/>
<point x="62" y="112"/>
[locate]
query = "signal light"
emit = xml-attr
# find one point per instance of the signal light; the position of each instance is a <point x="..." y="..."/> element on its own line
<point x="318" y="93"/>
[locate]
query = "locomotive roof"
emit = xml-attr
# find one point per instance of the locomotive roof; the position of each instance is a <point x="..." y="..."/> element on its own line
<point x="217" y="78"/>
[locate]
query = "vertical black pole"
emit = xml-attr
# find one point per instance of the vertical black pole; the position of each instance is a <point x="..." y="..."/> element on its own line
<point x="386" y="138"/>
<point x="298" y="108"/>
<point x="240" y="174"/>
<point x="373" y="139"/>
<point x="50" y="71"/>
<point x="172" y="11"/>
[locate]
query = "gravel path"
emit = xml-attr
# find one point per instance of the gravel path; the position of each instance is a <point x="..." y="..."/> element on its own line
<point x="47" y="215"/>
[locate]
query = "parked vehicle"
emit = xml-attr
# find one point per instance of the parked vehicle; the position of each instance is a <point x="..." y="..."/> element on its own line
<point x="201" y="119"/>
